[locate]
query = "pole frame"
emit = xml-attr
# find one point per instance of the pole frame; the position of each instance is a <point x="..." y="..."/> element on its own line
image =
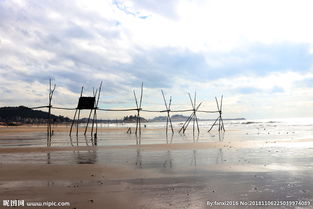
<point x="219" y="119"/>
<point x="193" y="117"/>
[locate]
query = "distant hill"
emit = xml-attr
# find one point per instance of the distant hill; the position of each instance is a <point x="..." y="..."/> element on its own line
<point x="24" y="114"/>
<point x="184" y="118"/>
<point x="173" y="118"/>
<point x="132" y="119"/>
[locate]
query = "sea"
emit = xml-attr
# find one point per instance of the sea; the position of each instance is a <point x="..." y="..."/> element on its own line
<point x="270" y="130"/>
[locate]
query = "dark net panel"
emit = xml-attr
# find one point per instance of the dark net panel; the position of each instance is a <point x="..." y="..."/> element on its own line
<point x="86" y="103"/>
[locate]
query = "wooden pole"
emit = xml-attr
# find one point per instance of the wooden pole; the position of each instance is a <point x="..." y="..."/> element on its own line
<point x="188" y="121"/>
<point x="73" y="122"/>
<point x="94" y="94"/>
<point x="137" y="112"/>
<point x="95" y="112"/>
<point x="77" y="122"/>
<point x="138" y="119"/>
<point x="49" y="130"/>
<point x="140" y="103"/>
<point x="88" y="122"/>
<point x="213" y="124"/>
<point x="221" y="106"/>
<point x="49" y="111"/>
<point x="168" y="114"/>
<point x="183" y="127"/>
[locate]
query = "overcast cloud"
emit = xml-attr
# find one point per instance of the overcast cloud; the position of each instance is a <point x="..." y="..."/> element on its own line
<point x="258" y="53"/>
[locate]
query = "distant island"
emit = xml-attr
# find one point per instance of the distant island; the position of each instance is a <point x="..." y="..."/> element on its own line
<point x="24" y="115"/>
<point x="178" y="118"/>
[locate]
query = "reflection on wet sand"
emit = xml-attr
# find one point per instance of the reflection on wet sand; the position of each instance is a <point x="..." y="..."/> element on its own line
<point x="168" y="163"/>
<point x="48" y="158"/>
<point x="138" y="159"/>
<point x="221" y="135"/>
<point x="169" y="139"/>
<point x="219" y="158"/>
<point x="85" y="157"/>
<point x="89" y="141"/>
<point x="138" y="139"/>
<point x="178" y="159"/>
<point x="194" y="158"/>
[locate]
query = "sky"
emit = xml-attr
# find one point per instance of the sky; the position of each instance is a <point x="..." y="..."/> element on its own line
<point x="257" y="53"/>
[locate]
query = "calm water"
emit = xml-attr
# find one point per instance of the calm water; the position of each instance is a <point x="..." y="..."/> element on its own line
<point x="154" y="133"/>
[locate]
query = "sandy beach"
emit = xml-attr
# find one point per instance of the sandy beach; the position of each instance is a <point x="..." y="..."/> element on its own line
<point x="186" y="174"/>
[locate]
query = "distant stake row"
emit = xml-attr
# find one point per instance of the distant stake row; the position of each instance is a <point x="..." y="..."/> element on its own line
<point x="91" y="103"/>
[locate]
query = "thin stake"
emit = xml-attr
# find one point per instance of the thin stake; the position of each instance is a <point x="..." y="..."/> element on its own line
<point x="168" y="114"/>
<point x="184" y="124"/>
<point x="191" y="101"/>
<point x="137" y="112"/>
<point x="213" y="124"/>
<point x="94" y="94"/>
<point x="77" y="122"/>
<point x="166" y="125"/>
<point x="97" y="108"/>
<point x="73" y="122"/>
<point x="188" y="121"/>
<point x="95" y="112"/>
<point x="141" y="94"/>
<point x="49" y="130"/>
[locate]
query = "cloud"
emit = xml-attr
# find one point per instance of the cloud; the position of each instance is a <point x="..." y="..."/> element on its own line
<point x="213" y="47"/>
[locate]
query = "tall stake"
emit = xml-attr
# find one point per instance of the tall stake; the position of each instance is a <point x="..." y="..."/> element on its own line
<point x="73" y="122"/>
<point x="95" y="113"/>
<point x="141" y="93"/>
<point x="81" y="94"/>
<point x="94" y="94"/>
<point x="137" y="112"/>
<point x="49" y="130"/>
<point x="138" y="120"/>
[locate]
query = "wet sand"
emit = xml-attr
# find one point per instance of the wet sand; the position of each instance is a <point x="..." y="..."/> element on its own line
<point x="177" y="175"/>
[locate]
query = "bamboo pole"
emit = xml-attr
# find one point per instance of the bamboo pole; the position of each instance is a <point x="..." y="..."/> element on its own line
<point x="77" y="123"/>
<point x="168" y="115"/>
<point x="96" y="110"/>
<point x="94" y="94"/>
<point x="182" y="128"/>
<point x="140" y="103"/>
<point x="49" y="130"/>
<point x="137" y="112"/>
<point x="73" y="122"/>
<point x="95" y="113"/>
<point x="138" y="119"/>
